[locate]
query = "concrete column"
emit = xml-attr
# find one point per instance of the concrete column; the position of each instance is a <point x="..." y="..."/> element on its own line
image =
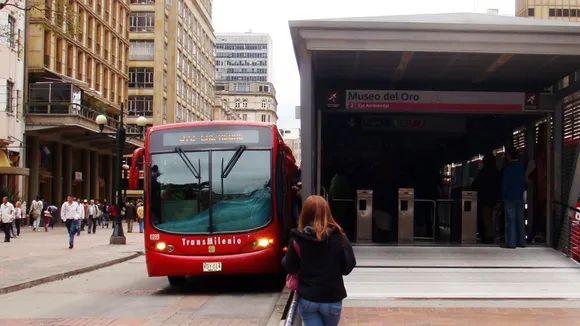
<point x="67" y="172"/>
<point x="308" y="132"/>
<point x="95" y="176"/>
<point x="109" y="180"/>
<point x="33" y="149"/>
<point x="86" y="169"/>
<point x="57" y="195"/>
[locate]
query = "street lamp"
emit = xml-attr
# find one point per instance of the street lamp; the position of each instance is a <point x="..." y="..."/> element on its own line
<point x="125" y="168"/>
<point x="118" y="236"/>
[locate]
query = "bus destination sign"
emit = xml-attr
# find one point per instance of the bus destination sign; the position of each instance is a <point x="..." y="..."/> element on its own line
<point x="199" y="137"/>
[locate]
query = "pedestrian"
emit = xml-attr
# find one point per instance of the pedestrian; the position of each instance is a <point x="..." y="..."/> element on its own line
<point x="70" y="214"/>
<point x="130" y="215"/>
<point x="36" y="213"/>
<point x="93" y="216"/>
<point x="140" y="217"/>
<point x="513" y="186"/>
<point x="106" y="214"/>
<point x="319" y="254"/>
<point x="6" y="217"/>
<point x="18" y="217"/>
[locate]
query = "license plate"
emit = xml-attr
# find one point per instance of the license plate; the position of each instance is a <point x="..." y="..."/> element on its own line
<point x="212" y="267"/>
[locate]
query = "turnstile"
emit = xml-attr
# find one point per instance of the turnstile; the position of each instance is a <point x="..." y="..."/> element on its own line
<point x="406" y="203"/>
<point x="364" y="215"/>
<point x="468" y="217"/>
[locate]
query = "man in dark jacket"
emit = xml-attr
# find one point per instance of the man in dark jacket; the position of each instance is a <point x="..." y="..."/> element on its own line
<point x="487" y="185"/>
<point x="130" y="215"/>
<point x="513" y="186"/>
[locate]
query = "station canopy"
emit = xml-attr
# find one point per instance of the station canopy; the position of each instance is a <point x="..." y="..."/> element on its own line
<point x="458" y="51"/>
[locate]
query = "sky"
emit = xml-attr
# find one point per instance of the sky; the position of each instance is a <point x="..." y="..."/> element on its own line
<point x="272" y="16"/>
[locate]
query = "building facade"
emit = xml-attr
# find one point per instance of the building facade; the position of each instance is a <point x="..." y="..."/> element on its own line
<point x="171" y="60"/>
<point x="12" y="171"/>
<point x="77" y="55"/>
<point x="292" y="138"/>
<point x="253" y="101"/>
<point x="223" y="111"/>
<point x="244" y="57"/>
<point x="568" y="10"/>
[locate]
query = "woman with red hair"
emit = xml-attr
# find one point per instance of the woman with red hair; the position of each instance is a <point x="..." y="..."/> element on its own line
<point x="321" y="253"/>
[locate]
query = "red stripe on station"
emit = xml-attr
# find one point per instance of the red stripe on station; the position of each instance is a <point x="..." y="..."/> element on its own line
<point x="434" y="106"/>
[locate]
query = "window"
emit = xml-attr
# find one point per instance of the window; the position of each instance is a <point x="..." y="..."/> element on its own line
<point x="264" y="88"/>
<point x="263" y="118"/>
<point x="220" y="88"/>
<point x="241" y="87"/>
<point x="237" y="103"/>
<point x="9" y="96"/>
<point x="552" y="12"/>
<point x="245" y="117"/>
<point x="141" y="77"/>
<point x="142" y="22"/>
<point x="264" y="103"/>
<point x="240" y="201"/>
<point x="11" y="32"/>
<point x="531" y="12"/>
<point x="141" y="105"/>
<point x="245" y="103"/>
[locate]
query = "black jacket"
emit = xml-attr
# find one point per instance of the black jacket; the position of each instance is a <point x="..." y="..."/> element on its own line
<point x="321" y="264"/>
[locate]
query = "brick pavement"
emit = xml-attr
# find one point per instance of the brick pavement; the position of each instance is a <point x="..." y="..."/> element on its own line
<point x="360" y="316"/>
<point x="40" y="254"/>
<point x="177" y="315"/>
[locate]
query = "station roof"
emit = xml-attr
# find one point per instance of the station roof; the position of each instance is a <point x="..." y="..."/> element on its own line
<point x="453" y="51"/>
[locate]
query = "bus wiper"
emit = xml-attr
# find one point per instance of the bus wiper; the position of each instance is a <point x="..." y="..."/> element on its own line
<point x="187" y="162"/>
<point x="233" y="161"/>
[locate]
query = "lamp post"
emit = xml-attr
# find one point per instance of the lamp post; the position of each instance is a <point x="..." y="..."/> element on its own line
<point x="125" y="168"/>
<point x="118" y="236"/>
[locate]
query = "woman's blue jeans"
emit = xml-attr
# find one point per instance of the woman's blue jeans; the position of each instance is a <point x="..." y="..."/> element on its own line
<point x="319" y="314"/>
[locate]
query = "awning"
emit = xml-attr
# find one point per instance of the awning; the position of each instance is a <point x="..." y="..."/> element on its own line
<point x="80" y="84"/>
<point x="6" y="168"/>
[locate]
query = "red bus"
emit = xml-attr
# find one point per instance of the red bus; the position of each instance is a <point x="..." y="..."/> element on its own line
<point x="218" y="198"/>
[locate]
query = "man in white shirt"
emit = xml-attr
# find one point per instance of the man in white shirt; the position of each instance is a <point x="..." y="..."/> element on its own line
<point x="36" y="212"/>
<point x="6" y="217"/>
<point x="70" y="213"/>
<point x="93" y="212"/>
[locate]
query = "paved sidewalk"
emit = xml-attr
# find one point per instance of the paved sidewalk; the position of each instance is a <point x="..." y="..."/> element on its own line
<point x="360" y="316"/>
<point x="41" y="256"/>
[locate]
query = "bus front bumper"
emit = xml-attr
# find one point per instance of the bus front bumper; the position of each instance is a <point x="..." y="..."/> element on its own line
<point x="259" y="262"/>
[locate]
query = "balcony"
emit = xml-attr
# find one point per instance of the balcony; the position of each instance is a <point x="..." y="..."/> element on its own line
<point x="67" y="122"/>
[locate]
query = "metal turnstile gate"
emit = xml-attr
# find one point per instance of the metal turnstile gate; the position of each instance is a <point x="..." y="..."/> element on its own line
<point x="406" y="219"/>
<point x="468" y="217"/>
<point x="364" y="215"/>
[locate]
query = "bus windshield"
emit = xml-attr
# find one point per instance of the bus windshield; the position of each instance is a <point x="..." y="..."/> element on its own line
<point x="237" y="197"/>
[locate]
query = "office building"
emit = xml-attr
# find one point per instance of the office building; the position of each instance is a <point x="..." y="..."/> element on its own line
<point x="568" y="10"/>
<point x="12" y="171"/>
<point x="244" y="57"/>
<point x="292" y="138"/>
<point x="76" y="54"/>
<point x="171" y="60"/>
<point x="253" y="101"/>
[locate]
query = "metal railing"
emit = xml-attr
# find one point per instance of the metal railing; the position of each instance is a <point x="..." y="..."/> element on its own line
<point x="71" y="109"/>
<point x="570" y="232"/>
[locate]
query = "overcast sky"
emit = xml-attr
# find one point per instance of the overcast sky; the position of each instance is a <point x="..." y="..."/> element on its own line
<point x="271" y="16"/>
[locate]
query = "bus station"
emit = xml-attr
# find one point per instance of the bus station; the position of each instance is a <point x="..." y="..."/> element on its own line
<point x="394" y="103"/>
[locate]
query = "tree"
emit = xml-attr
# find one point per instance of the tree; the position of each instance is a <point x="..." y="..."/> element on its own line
<point x="58" y="15"/>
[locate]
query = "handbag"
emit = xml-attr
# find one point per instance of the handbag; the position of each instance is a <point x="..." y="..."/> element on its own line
<point x="292" y="279"/>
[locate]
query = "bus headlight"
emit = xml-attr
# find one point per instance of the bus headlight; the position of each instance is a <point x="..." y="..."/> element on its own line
<point x="262" y="243"/>
<point x="160" y="246"/>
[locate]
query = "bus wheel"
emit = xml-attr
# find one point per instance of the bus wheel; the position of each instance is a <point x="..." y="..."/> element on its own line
<point x="176" y="280"/>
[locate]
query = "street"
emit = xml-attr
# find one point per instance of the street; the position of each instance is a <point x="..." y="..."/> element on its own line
<point x="124" y="295"/>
